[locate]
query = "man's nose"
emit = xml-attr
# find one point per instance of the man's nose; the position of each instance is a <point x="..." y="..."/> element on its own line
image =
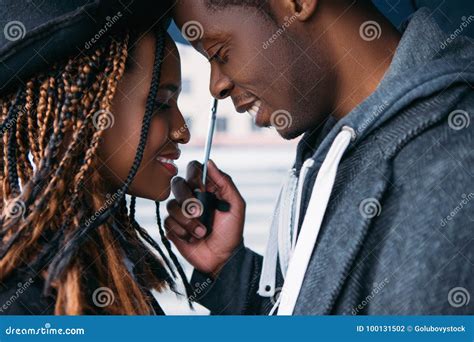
<point x="220" y="85"/>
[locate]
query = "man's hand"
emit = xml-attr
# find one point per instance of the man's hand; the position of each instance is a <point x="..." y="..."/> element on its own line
<point x="206" y="254"/>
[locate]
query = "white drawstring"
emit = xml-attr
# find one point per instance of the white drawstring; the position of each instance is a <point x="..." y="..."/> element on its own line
<point x="307" y="165"/>
<point x="279" y="241"/>
<point x="266" y="286"/>
<point x="275" y="306"/>
<point x="285" y="224"/>
<point x="310" y="228"/>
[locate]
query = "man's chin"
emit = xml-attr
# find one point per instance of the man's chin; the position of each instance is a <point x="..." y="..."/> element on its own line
<point x="290" y="134"/>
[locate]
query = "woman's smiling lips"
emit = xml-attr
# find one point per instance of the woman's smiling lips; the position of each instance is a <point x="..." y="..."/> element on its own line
<point x="167" y="161"/>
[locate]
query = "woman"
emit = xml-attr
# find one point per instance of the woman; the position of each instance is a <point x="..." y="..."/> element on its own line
<point x="69" y="156"/>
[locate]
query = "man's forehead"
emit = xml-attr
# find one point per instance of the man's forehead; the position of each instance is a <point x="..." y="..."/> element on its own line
<point x="187" y="9"/>
<point x="197" y="24"/>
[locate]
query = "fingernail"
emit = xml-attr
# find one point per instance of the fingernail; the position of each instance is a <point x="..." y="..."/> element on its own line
<point x="199" y="231"/>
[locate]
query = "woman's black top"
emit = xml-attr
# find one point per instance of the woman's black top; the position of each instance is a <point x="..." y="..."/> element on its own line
<point x="23" y="295"/>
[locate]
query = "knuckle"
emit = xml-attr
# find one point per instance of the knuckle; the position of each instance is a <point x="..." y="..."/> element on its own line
<point x="194" y="164"/>
<point x="179" y="215"/>
<point x="181" y="184"/>
<point x="167" y="222"/>
<point x="171" y="205"/>
<point x="226" y="177"/>
<point x="187" y="223"/>
<point x="179" y="231"/>
<point x="176" y="181"/>
<point x="194" y="168"/>
<point x="172" y="226"/>
<point x="177" y="184"/>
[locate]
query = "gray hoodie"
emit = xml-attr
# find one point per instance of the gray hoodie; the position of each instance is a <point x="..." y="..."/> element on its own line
<point x="377" y="214"/>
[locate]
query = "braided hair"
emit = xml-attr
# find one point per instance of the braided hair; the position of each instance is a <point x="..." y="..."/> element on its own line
<point x="56" y="222"/>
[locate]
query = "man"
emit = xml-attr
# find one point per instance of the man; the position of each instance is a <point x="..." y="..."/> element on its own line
<point x="376" y="216"/>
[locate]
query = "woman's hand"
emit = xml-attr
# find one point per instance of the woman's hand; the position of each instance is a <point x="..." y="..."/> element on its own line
<point x="206" y="254"/>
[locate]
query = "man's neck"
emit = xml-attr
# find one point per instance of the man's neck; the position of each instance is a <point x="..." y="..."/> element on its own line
<point x="363" y="44"/>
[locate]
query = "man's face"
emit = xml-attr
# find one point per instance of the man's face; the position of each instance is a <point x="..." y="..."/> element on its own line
<point x="261" y="64"/>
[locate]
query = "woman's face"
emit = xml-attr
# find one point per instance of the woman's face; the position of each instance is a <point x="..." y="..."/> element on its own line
<point x="167" y="130"/>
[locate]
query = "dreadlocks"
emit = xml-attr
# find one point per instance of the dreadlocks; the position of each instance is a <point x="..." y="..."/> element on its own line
<point x="50" y="189"/>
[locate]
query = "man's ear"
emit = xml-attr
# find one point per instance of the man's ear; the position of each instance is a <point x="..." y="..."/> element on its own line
<point x="303" y="9"/>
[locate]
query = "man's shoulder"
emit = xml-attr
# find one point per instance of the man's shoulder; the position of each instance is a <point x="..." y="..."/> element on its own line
<point x="425" y="231"/>
<point x="440" y="152"/>
<point x="432" y="176"/>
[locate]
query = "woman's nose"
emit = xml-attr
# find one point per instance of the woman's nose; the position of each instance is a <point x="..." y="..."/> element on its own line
<point x="179" y="132"/>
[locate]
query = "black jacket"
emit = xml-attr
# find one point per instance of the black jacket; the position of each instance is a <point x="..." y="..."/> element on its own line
<point x="22" y="295"/>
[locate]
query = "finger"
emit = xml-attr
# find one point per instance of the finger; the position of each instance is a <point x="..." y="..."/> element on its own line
<point x="181" y="215"/>
<point x="194" y="175"/>
<point x="223" y="183"/>
<point x="186" y="248"/>
<point x="171" y="225"/>
<point x="181" y="190"/>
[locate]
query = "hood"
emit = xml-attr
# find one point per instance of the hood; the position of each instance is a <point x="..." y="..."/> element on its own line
<point x="36" y="35"/>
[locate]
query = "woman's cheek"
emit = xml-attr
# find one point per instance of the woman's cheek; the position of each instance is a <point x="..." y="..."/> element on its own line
<point x="158" y="134"/>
